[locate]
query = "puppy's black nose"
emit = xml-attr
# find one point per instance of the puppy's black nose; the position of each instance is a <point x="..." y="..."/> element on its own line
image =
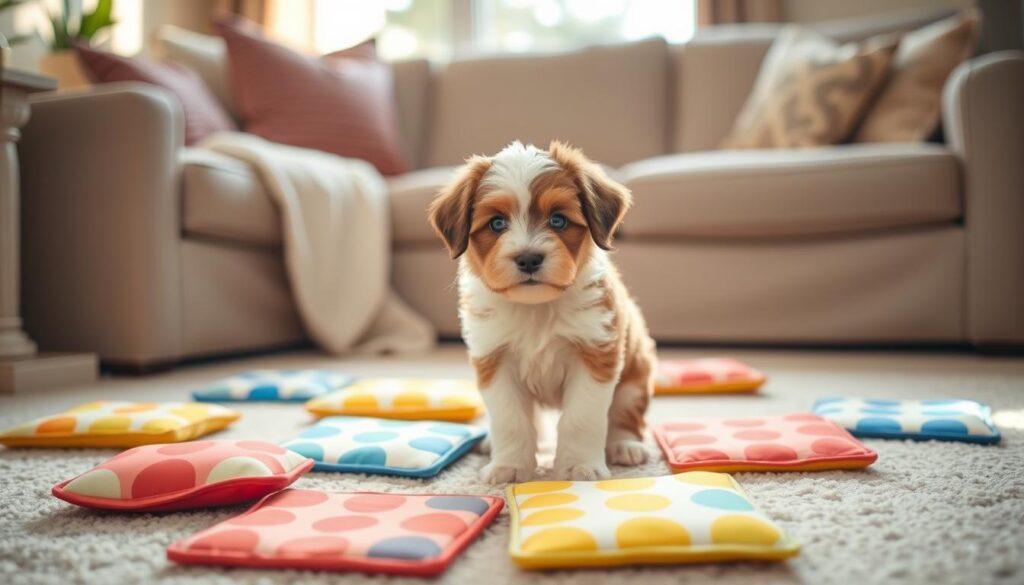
<point x="529" y="262"/>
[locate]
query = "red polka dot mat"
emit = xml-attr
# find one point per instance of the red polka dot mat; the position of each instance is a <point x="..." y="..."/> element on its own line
<point x="706" y="376"/>
<point x="794" y="442"/>
<point x="370" y="532"/>
<point x="185" y="475"/>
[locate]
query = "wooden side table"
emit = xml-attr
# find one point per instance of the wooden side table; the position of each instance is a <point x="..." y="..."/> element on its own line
<point x="22" y="367"/>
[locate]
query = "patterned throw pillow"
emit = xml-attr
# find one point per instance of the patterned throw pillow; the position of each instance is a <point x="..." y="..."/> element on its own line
<point x="185" y="475"/>
<point x="391" y="447"/>
<point x="403" y="534"/>
<point x="794" y="442"/>
<point x="909" y="107"/>
<point x="116" y="423"/>
<point x="706" y="375"/>
<point x="342" y="103"/>
<point x="685" y="518"/>
<point x="940" y="419"/>
<point x="810" y="91"/>
<point x="403" y="398"/>
<point x="273" y="386"/>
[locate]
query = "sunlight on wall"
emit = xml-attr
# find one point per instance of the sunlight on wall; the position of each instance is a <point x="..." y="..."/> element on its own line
<point x="343" y="23"/>
<point x="126" y="35"/>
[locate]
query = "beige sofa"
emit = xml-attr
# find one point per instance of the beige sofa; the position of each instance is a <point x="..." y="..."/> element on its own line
<point x="148" y="252"/>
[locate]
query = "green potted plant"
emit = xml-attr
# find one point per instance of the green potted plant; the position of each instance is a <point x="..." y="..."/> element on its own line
<point x="70" y="27"/>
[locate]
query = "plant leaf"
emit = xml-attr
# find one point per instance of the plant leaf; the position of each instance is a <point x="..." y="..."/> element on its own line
<point x="61" y="39"/>
<point x="68" y="10"/>
<point x="100" y="18"/>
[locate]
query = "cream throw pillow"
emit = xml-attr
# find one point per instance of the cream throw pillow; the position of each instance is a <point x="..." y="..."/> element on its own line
<point x="909" y="107"/>
<point x="811" y="91"/>
<point x="205" y="54"/>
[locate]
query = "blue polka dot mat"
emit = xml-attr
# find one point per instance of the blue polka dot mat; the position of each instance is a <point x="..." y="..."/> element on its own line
<point x="296" y="385"/>
<point x="381" y="446"/>
<point x="940" y="419"/>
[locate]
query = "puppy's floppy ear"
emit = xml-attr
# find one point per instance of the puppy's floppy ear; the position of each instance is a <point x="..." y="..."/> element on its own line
<point x="451" y="212"/>
<point x="604" y="201"/>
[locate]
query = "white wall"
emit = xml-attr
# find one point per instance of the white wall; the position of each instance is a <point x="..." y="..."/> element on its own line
<point x="815" y="10"/>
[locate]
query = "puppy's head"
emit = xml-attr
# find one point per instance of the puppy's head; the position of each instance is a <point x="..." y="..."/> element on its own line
<point x="528" y="219"/>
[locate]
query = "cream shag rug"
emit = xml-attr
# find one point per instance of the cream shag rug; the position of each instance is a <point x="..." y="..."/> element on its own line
<point x="924" y="513"/>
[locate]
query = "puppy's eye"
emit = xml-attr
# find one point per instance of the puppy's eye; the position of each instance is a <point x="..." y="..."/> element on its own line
<point x="498" y="224"/>
<point x="558" y="221"/>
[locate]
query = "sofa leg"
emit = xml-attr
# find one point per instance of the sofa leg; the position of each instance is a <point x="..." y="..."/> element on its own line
<point x="137" y="370"/>
<point x="1000" y="349"/>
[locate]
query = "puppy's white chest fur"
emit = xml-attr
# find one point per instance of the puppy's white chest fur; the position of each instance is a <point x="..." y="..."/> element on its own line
<point x="537" y="341"/>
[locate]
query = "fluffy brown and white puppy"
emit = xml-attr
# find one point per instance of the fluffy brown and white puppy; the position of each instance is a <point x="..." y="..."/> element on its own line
<point x="546" y="317"/>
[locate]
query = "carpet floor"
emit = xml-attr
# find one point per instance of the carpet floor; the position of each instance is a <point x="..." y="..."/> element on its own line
<point x="924" y="513"/>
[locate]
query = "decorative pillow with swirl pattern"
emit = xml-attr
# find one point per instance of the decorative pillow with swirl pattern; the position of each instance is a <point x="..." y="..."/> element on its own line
<point x="811" y="91"/>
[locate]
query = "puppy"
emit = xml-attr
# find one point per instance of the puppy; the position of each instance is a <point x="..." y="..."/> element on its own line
<point x="546" y="317"/>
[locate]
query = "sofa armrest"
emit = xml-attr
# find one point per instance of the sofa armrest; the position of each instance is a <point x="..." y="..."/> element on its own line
<point x="981" y="115"/>
<point x="101" y="224"/>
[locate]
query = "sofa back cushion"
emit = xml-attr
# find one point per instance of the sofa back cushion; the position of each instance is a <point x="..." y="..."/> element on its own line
<point x="611" y="101"/>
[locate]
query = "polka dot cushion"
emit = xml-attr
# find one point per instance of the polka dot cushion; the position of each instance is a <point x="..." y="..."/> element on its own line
<point x="185" y="475"/>
<point x="944" y="420"/>
<point x="273" y="386"/>
<point x="403" y="398"/>
<point x="114" y="423"/>
<point x="368" y="532"/>
<point x="393" y="447"/>
<point x="706" y="375"/>
<point x="690" y="517"/>
<point x="794" y="442"/>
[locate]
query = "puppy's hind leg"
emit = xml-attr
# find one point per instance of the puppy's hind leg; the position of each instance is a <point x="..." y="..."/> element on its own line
<point x="625" y="445"/>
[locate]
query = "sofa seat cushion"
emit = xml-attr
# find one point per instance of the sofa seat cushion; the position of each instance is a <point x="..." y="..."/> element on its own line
<point x="792" y="192"/>
<point x="410" y="195"/>
<point x="224" y="198"/>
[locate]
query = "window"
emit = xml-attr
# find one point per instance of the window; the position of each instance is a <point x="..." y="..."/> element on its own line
<point x="551" y="25"/>
<point x="443" y="29"/>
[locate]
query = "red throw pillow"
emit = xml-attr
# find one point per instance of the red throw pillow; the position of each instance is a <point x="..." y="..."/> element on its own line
<point x="203" y="114"/>
<point x="342" y="103"/>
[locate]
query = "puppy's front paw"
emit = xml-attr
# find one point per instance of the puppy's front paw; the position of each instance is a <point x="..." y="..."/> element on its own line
<point x="627" y="452"/>
<point x="583" y="472"/>
<point x="494" y="473"/>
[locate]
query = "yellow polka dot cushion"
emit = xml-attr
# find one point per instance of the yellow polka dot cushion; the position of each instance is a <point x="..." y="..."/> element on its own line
<point x="115" y="423"/>
<point x="941" y="419"/>
<point x="705" y="376"/>
<point x="403" y="398"/>
<point x="793" y="442"/>
<point x="404" y="534"/>
<point x="185" y="475"/>
<point x="689" y="517"/>
<point x="357" y="444"/>
<point x="297" y="385"/>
